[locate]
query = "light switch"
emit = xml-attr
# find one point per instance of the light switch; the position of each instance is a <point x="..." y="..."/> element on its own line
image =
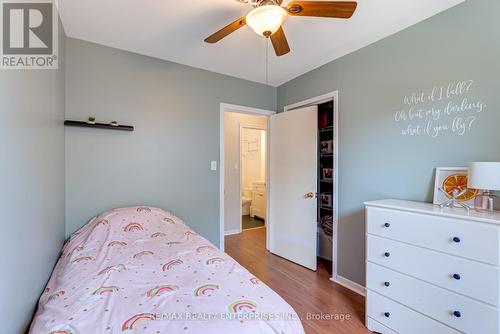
<point x="213" y="165"/>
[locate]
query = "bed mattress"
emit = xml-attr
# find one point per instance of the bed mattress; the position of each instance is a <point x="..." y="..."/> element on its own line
<point x="142" y="270"/>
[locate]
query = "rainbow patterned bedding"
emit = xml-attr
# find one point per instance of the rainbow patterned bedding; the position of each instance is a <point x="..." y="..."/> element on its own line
<point x="142" y="270"/>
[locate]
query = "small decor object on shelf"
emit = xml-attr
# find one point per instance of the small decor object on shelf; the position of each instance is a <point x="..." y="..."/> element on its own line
<point x="451" y="189"/>
<point x="326" y="200"/>
<point x="485" y="176"/>
<point x="91" y="120"/>
<point x="327" y="173"/>
<point x="114" y="123"/>
<point x="326" y="146"/>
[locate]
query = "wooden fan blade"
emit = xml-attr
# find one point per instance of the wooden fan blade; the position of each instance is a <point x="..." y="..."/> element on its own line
<point x="280" y="43"/>
<point x="337" y="9"/>
<point x="230" y="28"/>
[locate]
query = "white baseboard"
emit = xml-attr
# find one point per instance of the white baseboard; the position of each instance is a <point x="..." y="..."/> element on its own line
<point x="231" y="232"/>
<point x="359" y="289"/>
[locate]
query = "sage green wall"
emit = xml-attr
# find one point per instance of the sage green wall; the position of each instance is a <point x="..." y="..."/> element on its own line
<point x="165" y="162"/>
<point x="375" y="160"/>
<point x="32" y="187"/>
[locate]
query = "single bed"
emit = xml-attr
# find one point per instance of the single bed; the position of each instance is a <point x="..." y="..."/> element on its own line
<point x="142" y="270"/>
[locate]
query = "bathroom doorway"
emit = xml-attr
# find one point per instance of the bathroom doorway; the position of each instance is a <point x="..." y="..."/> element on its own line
<point x="253" y="152"/>
<point x="244" y="170"/>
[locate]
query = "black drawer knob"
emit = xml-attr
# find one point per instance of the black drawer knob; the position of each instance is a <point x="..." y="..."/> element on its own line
<point x="457" y="314"/>
<point x="456" y="239"/>
<point x="387" y="283"/>
<point x="387" y="314"/>
<point x="387" y="254"/>
<point x="387" y="224"/>
<point x="457" y="276"/>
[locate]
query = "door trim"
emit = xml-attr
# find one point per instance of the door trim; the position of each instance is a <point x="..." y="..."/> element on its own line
<point x="242" y="110"/>
<point x="314" y="101"/>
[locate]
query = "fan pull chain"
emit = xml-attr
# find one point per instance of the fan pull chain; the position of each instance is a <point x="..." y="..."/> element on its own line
<point x="267" y="61"/>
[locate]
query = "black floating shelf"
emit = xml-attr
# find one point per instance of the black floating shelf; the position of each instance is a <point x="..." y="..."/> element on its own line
<point x="99" y="126"/>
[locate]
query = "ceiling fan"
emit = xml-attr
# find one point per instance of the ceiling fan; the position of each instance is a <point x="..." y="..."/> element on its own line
<point x="267" y="17"/>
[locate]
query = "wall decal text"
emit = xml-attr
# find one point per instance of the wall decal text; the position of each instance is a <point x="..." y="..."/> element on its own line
<point x="442" y="110"/>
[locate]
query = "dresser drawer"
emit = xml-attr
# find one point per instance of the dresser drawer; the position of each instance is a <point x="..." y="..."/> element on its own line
<point x="471" y="240"/>
<point x="400" y="319"/>
<point x="470" y="278"/>
<point x="439" y="304"/>
<point x="377" y="327"/>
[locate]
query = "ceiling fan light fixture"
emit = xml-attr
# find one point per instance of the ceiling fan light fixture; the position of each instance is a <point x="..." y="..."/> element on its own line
<point x="266" y="20"/>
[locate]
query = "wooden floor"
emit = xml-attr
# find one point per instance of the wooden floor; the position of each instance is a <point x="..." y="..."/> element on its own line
<point x="305" y="290"/>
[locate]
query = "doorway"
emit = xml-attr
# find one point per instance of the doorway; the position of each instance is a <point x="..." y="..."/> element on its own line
<point x="253" y="184"/>
<point x="233" y="120"/>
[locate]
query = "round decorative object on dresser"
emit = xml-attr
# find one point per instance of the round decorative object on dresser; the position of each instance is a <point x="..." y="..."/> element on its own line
<point x="457" y="314"/>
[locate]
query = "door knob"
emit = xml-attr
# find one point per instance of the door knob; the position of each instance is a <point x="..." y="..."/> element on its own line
<point x="309" y="195"/>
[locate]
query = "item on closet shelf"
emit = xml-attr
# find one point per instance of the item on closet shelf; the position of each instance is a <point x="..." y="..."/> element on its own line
<point x="326" y="146"/>
<point x="325" y="115"/>
<point x="326" y="223"/>
<point x="451" y="189"/>
<point x="91" y="120"/>
<point x="485" y="176"/>
<point x="326" y="200"/>
<point x="114" y="123"/>
<point x="327" y="173"/>
<point x="323" y="120"/>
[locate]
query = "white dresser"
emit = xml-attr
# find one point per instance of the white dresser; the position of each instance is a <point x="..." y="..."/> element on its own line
<point x="431" y="270"/>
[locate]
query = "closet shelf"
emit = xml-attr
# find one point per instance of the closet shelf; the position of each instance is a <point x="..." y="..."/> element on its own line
<point x="326" y="181"/>
<point x="326" y="207"/>
<point x="99" y="125"/>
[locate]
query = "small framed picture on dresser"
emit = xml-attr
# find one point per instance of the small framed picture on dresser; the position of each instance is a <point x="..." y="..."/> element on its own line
<point x="452" y="182"/>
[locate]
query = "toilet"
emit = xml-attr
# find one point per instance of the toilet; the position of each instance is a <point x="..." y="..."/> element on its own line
<point x="246" y="201"/>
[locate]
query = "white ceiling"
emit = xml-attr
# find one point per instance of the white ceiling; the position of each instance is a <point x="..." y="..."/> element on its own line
<point x="175" y="30"/>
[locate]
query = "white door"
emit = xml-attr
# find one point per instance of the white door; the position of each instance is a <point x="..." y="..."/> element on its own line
<point x="293" y="184"/>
